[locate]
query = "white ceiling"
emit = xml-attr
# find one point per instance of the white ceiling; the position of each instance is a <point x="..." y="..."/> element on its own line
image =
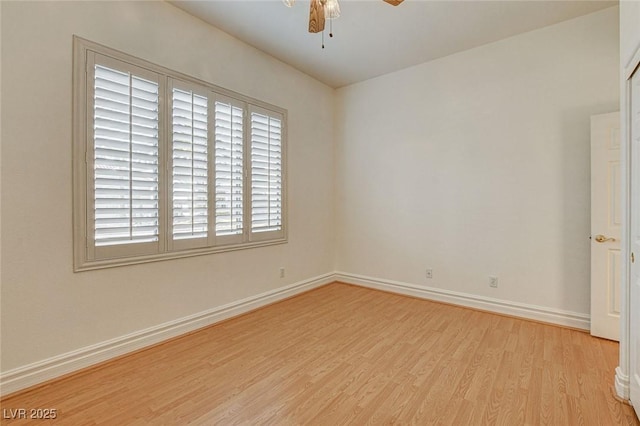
<point x="372" y="38"/>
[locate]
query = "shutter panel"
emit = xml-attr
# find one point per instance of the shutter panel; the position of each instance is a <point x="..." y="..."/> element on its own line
<point x="125" y="160"/>
<point x="266" y="171"/>
<point x="189" y="154"/>
<point x="229" y="174"/>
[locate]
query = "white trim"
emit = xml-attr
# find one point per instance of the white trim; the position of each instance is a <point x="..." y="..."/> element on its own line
<point x="51" y="368"/>
<point x="634" y="62"/>
<point x="41" y="371"/>
<point x="622" y="377"/>
<point x="522" y="310"/>
<point x="622" y="384"/>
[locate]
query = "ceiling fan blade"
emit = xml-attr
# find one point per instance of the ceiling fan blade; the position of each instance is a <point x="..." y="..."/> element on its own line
<point x="394" y="2"/>
<point x="316" y="16"/>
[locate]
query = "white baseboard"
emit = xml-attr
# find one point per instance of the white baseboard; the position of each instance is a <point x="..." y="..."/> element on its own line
<point x="522" y="310"/>
<point x="41" y="371"/>
<point x="38" y="372"/>
<point x="622" y="384"/>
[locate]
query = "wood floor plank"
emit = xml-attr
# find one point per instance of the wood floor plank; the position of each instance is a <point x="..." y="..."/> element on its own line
<point x="343" y="354"/>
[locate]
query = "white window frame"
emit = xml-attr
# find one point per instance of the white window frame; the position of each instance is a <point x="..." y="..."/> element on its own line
<point x="89" y="257"/>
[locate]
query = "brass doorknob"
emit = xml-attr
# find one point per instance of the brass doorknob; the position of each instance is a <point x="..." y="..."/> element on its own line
<point x="602" y="239"/>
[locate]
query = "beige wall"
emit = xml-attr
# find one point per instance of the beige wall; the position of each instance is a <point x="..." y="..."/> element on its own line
<point x="477" y="164"/>
<point x="48" y="310"/>
<point x="629" y="29"/>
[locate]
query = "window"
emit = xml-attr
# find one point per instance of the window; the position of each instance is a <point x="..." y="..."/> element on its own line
<point x="169" y="166"/>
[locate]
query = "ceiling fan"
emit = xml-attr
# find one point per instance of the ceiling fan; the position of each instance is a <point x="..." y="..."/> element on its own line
<point x="326" y="9"/>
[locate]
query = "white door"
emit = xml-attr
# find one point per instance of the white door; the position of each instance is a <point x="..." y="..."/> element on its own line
<point x="634" y="291"/>
<point x="606" y="223"/>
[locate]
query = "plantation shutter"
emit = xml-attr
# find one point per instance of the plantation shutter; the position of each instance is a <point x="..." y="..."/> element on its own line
<point x="167" y="166"/>
<point x="125" y="158"/>
<point x="229" y="170"/>
<point x="189" y="167"/>
<point x="266" y="174"/>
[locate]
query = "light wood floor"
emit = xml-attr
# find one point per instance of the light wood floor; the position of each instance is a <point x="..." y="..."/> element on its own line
<point x="347" y="355"/>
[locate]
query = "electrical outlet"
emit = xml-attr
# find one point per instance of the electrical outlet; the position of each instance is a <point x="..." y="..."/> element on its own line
<point x="493" y="282"/>
<point x="429" y="273"/>
<point x="281" y="272"/>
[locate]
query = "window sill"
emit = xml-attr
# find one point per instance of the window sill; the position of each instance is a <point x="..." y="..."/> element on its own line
<point x="116" y="262"/>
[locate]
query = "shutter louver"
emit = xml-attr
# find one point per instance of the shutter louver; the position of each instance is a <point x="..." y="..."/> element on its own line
<point x="190" y="163"/>
<point x="125" y="126"/>
<point x="266" y="173"/>
<point x="229" y="175"/>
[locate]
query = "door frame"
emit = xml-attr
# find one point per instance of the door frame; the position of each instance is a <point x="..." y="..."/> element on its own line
<point x="622" y="371"/>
